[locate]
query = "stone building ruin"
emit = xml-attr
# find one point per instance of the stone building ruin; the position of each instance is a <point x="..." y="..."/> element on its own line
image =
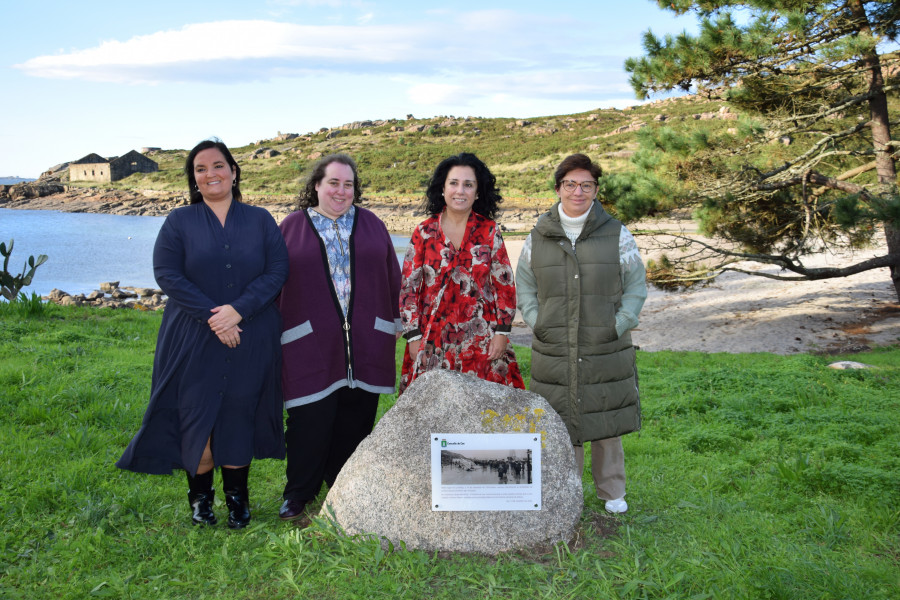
<point x="94" y="167"/>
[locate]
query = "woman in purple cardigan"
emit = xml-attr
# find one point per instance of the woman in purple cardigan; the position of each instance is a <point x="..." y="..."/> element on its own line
<point x="341" y="320"/>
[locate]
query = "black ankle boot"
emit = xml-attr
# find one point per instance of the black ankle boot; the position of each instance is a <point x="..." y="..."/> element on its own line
<point x="200" y="497"/>
<point x="237" y="498"/>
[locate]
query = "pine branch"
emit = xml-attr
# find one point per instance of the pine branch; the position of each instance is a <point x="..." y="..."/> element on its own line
<point x="787" y="263"/>
<point x="818" y="179"/>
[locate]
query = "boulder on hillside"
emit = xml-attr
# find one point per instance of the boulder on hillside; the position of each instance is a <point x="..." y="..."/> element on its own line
<point x="385" y="487"/>
<point x="264" y="153"/>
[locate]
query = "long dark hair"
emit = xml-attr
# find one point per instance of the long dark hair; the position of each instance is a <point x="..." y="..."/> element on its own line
<point x="196" y="196"/>
<point x="488" y="199"/>
<point x="308" y="195"/>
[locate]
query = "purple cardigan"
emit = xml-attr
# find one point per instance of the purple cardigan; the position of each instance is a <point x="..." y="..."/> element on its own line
<point x="320" y="353"/>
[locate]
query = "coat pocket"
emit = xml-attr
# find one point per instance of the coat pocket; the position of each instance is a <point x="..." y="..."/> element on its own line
<point x="301" y="352"/>
<point x="385" y="326"/>
<point x="295" y="333"/>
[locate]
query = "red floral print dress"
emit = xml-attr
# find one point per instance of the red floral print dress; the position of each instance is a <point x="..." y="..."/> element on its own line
<point x="457" y="299"/>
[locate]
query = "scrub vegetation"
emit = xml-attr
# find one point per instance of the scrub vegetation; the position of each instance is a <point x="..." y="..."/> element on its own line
<point x="755" y="476"/>
<point x="396" y="157"/>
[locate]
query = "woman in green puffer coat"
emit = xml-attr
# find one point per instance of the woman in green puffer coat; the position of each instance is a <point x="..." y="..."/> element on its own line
<point x="581" y="284"/>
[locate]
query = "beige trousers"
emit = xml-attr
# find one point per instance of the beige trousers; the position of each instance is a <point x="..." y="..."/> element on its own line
<point x="607" y="467"/>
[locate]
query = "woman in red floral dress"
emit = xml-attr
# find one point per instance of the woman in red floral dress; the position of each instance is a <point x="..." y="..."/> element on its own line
<point x="458" y="296"/>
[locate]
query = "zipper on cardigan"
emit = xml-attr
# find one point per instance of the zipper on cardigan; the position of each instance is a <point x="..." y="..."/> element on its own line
<point x="347" y="346"/>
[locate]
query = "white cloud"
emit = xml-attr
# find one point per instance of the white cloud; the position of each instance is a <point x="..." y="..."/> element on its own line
<point x="493" y="20"/>
<point x="431" y="94"/>
<point x="489" y="41"/>
<point x="581" y="85"/>
<point x="487" y="60"/>
<point x="184" y="53"/>
<point x="310" y="3"/>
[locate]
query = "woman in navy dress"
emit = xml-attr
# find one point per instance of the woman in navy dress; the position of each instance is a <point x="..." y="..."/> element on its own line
<point x="215" y="397"/>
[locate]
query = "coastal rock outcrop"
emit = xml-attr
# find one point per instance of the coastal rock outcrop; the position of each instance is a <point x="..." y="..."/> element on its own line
<point x="30" y="190"/>
<point x="110" y="295"/>
<point x="400" y="215"/>
<point x="92" y="200"/>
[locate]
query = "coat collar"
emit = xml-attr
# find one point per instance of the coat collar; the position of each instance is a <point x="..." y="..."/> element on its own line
<point x="549" y="225"/>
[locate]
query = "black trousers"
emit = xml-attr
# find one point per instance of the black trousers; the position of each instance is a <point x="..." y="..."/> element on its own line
<point x="321" y="436"/>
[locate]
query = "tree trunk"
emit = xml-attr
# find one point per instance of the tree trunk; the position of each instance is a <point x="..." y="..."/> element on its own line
<point x="892" y="235"/>
<point x="881" y="136"/>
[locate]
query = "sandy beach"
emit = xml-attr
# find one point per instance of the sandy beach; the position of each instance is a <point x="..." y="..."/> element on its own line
<point x="746" y="313"/>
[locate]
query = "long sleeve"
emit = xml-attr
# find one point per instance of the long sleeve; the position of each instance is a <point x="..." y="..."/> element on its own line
<point x="411" y="286"/>
<point x="169" y="270"/>
<point x="634" y="283"/>
<point x="503" y="282"/>
<point x="526" y="285"/>
<point x="262" y="290"/>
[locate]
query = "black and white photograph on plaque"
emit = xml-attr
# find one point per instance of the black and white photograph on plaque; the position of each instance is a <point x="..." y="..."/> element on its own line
<point x="486" y="467"/>
<point x="496" y="471"/>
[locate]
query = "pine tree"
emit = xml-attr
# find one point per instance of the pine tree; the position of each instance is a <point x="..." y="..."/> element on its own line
<point x="811" y="164"/>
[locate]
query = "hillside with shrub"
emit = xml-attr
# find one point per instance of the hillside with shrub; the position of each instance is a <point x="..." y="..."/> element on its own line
<point x="396" y="157"/>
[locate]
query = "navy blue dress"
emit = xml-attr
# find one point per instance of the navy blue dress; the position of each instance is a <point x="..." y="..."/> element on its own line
<point x="200" y="386"/>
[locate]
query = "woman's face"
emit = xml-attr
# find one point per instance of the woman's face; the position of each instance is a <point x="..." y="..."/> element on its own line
<point x="213" y="174"/>
<point x="577" y="201"/>
<point x="335" y="191"/>
<point x="460" y="190"/>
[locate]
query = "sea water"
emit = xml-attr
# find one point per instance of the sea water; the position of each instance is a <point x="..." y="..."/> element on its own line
<point x="85" y="249"/>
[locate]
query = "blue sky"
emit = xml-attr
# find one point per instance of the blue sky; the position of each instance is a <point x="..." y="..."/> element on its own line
<point x="108" y="77"/>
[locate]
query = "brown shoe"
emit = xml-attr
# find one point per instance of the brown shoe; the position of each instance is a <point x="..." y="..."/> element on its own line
<point x="291" y="510"/>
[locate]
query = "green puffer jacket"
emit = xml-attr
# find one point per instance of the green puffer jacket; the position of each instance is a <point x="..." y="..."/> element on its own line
<point x="579" y="364"/>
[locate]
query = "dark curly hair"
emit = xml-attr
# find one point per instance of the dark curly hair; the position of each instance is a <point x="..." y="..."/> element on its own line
<point x="574" y="162"/>
<point x="308" y="195"/>
<point x="196" y="196"/>
<point x="488" y="199"/>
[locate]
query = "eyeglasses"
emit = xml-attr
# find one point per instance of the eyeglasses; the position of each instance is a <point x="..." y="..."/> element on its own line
<point x="588" y="187"/>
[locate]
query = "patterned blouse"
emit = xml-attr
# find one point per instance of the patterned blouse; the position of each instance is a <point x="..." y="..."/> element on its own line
<point x="456" y="300"/>
<point x="335" y="234"/>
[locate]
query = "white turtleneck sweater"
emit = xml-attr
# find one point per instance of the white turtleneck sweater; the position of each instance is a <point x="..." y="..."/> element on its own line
<point x="634" y="275"/>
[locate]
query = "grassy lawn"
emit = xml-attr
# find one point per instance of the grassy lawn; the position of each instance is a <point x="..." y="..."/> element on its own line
<point x="755" y="476"/>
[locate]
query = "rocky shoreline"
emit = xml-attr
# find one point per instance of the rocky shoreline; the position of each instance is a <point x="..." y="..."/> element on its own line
<point x="110" y="295"/>
<point x="62" y="198"/>
<point x="401" y="215"/>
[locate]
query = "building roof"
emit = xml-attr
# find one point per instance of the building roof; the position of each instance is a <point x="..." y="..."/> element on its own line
<point x="93" y="158"/>
<point x="90" y="159"/>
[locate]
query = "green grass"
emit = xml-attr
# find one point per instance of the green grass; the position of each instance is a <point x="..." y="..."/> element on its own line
<point x="755" y="476"/>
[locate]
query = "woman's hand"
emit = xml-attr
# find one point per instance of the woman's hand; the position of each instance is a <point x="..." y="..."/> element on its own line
<point x="413" y="348"/>
<point x="224" y="318"/>
<point x="497" y="347"/>
<point x="230" y="337"/>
